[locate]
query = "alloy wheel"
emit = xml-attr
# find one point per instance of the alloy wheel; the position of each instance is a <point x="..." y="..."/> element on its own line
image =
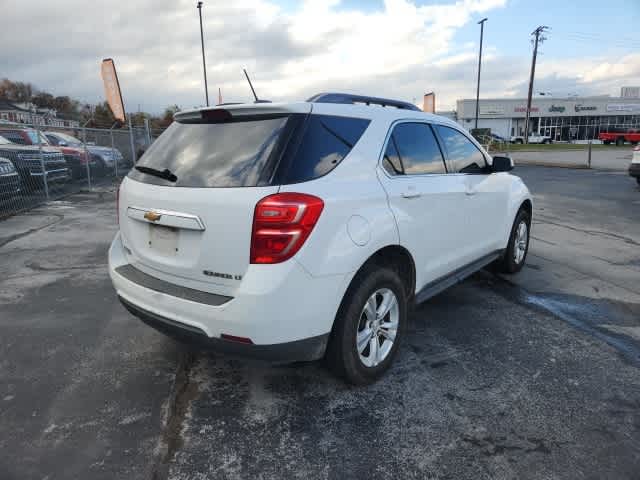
<point x="377" y="327"/>
<point x="520" y="242"/>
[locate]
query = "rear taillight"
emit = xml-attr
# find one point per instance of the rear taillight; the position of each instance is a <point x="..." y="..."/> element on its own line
<point x="281" y="224"/>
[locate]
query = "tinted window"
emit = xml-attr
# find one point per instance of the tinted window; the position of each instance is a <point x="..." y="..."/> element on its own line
<point x="391" y="161"/>
<point x="322" y="141"/>
<point x="213" y="155"/>
<point x="418" y="149"/>
<point x="461" y="152"/>
<point x="14" y="137"/>
<point x="269" y="151"/>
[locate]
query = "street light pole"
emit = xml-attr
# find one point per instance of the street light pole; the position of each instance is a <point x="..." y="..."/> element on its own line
<point x="481" y="22"/>
<point x="204" y="65"/>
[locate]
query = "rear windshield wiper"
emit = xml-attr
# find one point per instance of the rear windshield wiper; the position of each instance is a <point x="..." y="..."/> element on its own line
<point x="164" y="174"/>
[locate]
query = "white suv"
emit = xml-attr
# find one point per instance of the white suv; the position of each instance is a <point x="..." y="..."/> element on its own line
<point x="306" y="230"/>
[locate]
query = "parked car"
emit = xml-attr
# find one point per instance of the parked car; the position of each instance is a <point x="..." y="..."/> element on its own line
<point x="109" y="156"/>
<point x="10" y="183"/>
<point x="634" y="168"/>
<point x="620" y="135"/>
<point x="102" y="158"/>
<point x="297" y="231"/>
<point x="28" y="162"/>
<point x="75" y="156"/>
<point x="97" y="164"/>
<point x="533" y="138"/>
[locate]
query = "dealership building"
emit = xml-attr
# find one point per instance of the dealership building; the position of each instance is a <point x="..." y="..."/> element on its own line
<point x="562" y="119"/>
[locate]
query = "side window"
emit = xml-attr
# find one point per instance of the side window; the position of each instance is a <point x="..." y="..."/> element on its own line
<point x="462" y="153"/>
<point x="391" y="161"/>
<point x="417" y="149"/>
<point x="326" y="140"/>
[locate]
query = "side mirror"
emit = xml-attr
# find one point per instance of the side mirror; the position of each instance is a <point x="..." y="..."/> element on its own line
<point x="502" y="164"/>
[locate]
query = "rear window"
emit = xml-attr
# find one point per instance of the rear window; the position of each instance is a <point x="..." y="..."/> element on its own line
<point x="270" y="151"/>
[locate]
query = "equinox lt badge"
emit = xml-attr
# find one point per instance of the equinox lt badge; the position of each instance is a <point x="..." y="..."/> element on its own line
<point x="228" y="276"/>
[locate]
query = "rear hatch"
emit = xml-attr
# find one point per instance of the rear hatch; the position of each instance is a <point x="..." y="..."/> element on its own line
<point x="194" y="229"/>
<point x="186" y="209"/>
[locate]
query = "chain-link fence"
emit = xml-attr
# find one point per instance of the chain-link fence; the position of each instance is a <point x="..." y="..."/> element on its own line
<point x="39" y="163"/>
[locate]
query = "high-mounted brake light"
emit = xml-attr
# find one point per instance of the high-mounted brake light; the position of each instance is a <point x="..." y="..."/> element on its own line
<point x="216" y="116"/>
<point x="281" y="224"/>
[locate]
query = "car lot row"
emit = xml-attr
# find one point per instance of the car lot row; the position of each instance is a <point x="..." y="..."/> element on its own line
<point x="36" y="162"/>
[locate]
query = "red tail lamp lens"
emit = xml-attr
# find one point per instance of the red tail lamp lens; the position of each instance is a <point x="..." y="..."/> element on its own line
<point x="281" y="224"/>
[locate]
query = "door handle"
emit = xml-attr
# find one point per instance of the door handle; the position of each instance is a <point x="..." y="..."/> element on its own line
<point x="411" y="194"/>
<point x="469" y="190"/>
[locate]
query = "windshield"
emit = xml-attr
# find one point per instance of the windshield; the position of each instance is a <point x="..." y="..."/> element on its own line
<point x="66" y="138"/>
<point x="33" y="137"/>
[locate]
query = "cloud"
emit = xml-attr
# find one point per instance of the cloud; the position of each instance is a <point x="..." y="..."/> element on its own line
<point x="400" y="50"/>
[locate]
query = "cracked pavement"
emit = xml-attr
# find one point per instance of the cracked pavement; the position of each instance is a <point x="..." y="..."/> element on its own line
<point x="531" y="376"/>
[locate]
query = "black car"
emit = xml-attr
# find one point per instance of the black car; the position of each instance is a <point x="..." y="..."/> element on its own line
<point x="28" y="163"/>
<point x="10" y="183"/>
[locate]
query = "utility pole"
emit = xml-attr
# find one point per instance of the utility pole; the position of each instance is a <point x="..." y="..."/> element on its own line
<point x="204" y="65"/>
<point x="537" y="32"/>
<point x="481" y="22"/>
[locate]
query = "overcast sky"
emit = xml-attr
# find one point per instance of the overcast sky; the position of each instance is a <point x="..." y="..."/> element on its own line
<point x="293" y="49"/>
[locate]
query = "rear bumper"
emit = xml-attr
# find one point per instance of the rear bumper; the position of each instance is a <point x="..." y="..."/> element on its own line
<point x="286" y="312"/>
<point x="300" y="350"/>
<point x="634" y="169"/>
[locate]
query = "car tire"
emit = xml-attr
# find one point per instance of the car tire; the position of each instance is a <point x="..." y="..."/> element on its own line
<point x="515" y="254"/>
<point x="356" y="320"/>
<point x="606" y="142"/>
<point x="519" y="141"/>
<point x="638" y="180"/>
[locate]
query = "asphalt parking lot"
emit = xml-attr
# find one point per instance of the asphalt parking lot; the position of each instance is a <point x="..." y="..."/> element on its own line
<point x="533" y="376"/>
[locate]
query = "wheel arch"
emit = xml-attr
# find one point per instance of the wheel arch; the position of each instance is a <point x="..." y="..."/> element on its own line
<point x="399" y="259"/>
<point x="527" y="206"/>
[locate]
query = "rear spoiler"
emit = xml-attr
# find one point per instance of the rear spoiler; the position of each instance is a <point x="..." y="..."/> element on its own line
<point x="241" y="112"/>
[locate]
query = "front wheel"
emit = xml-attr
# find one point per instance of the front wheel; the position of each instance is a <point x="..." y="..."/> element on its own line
<point x="638" y="180"/>
<point x="368" y="327"/>
<point x="515" y="254"/>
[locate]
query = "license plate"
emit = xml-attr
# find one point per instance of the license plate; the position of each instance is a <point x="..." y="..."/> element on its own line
<point x="163" y="239"/>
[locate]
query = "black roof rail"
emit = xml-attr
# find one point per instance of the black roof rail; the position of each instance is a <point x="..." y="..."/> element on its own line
<point x="348" y="98"/>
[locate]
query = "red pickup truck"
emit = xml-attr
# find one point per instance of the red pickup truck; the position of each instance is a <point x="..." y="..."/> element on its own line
<point x="620" y="136"/>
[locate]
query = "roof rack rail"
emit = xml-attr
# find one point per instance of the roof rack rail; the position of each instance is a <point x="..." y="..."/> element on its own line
<point x="333" y="97"/>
